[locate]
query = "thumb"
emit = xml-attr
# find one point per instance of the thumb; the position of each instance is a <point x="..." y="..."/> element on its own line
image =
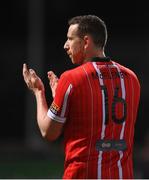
<point x="32" y="72"/>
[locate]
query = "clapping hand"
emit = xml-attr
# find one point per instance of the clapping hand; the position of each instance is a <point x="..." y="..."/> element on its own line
<point x="53" y="81"/>
<point x="31" y="79"/>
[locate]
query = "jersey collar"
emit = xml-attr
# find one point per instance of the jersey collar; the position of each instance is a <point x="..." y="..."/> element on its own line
<point x="100" y="59"/>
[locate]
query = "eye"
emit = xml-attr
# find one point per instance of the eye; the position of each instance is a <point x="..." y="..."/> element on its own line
<point x="70" y="38"/>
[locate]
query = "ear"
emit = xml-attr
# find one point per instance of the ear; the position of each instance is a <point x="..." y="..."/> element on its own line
<point x="87" y="41"/>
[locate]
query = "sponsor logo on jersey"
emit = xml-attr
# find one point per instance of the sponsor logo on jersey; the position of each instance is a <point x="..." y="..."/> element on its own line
<point x="110" y="145"/>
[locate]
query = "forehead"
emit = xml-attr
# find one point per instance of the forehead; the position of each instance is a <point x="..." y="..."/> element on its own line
<point x="72" y="30"/>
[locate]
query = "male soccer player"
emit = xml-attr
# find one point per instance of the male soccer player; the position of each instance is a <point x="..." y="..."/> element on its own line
<point x="94" y="104"/>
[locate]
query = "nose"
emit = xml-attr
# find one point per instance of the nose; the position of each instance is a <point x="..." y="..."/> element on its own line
<point x="66" y="46"/>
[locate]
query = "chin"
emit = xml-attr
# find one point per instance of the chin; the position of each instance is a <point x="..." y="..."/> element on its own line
<point x="73" y="61"/>
<point x="76" y="61"/>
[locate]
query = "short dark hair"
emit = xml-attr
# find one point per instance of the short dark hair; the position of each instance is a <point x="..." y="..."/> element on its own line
<point x="92" y="25"/>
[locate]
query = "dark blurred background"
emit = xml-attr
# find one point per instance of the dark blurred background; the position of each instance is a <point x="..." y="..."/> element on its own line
<point x="34" y="31"/>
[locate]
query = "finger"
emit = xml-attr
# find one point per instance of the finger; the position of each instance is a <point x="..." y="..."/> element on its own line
<point x="25" y="70"/>
<point x="25" y="67"/>
<point x="33" y="77"/>
<point x="50" y="73"/>
<point x="26" y="74"/>
<point x="53" y="82"/>
<point x="32" y="72"/>
<point x="52" y="76"/>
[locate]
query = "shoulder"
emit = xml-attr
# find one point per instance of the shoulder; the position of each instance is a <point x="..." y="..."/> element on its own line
<point x="75" y="72"/>
<point x="129" y="72"/>
<point x="125" y="69"/>
<point x="77" y="75"/>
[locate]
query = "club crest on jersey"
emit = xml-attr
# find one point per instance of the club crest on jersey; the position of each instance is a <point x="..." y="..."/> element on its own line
<point x="54" y="108"/>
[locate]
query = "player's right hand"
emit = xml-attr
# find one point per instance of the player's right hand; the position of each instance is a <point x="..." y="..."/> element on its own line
<point x="31" y="79"/>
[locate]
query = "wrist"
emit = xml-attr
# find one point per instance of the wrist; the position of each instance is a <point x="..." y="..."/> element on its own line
<point x="39" y="92"/>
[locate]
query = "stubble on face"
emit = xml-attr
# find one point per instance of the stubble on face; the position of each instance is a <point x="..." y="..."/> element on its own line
<point x="76" y="45"/>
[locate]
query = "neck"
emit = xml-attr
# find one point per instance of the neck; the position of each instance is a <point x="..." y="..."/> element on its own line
<point x="99" y="53"/>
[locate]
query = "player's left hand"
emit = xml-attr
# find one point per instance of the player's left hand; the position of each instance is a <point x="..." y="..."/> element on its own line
<point x="31" y="79"/>
<point x="53" y="81"/>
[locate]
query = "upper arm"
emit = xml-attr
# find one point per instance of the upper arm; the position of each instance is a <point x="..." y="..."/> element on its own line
<point x="54" y="130"/>
<point x="59" y="108"/>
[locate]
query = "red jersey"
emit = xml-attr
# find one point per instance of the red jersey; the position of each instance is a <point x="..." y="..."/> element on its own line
<point x="98" y="103"/>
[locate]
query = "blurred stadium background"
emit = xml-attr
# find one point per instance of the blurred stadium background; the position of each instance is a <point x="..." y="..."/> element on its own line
<point x="34" y="31"/>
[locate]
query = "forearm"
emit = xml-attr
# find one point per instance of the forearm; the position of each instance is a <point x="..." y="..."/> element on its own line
<point x="49" y="128"/>
<point x="42" y="109"/>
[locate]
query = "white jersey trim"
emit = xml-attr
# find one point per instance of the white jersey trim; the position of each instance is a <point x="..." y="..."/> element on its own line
<point x="123" y="125"/>
<point x="103" y="121"/>
<point x="55" y="118"/>
<point x="65" y="100"/>
<point x="92" y="128"/>
<point x="61" y="118"/>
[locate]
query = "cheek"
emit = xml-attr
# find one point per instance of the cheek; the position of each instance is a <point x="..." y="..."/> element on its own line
<point x="76" y="48"/>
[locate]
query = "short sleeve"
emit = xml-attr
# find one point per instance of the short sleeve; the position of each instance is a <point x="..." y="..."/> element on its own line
<point x="59" y="108"/>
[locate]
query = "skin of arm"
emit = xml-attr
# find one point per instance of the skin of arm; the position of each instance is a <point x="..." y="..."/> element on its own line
<point x="49" y="128"/>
